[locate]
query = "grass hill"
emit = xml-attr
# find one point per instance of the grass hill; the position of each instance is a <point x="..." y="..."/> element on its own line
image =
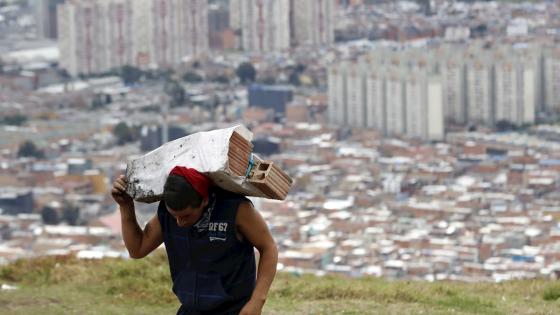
<point x="66" y="285"/>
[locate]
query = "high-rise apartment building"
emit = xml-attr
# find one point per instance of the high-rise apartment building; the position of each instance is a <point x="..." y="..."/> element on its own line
<point x="375" y="96"/>
<point x="179" y="28"/>
<point x="45" y="11"/>
<point x="515" y="78"/>
<point x="551" y="75"/>
<point x="424" y="106"/>
<point x="356" y="95"/>
<point x="235" y="14"/>
<point x="453" y="74"/>
<point x="95" y="36"/>
<point x="337" y="94"/>
<point x="413" y="92"/>
<point x="271" y="25"/>
<point x="395" y="93"/>
<point x="265" y="25"/>
<point x="395" y="119"/>
<point x="313" y="22"/>
<point x="480" y="90"/>
<point x="100" y="35"/>
<point x="218" y="23"/>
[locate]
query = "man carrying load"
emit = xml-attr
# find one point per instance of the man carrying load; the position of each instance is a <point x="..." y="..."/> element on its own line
<point x="209" y="235"/>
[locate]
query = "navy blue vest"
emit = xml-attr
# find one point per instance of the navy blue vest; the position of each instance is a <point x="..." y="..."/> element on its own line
<point x="212" y="271"/>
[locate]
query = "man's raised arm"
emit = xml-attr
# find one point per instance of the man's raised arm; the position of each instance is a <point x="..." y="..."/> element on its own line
<point x="138" y="242"/>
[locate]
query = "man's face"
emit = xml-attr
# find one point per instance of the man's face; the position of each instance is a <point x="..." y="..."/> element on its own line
<point x="188" y="216"/>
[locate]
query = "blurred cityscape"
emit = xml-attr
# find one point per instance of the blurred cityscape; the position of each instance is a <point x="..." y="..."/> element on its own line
<point x="423" y="136"/>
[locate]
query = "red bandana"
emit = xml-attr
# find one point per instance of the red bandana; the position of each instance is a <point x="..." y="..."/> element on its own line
<point x="198" y="181"/>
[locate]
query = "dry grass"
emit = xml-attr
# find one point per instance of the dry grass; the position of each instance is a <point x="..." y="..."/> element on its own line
<point x="65" y="285"/>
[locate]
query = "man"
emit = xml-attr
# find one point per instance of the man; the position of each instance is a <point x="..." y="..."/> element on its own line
<point x="209" y="235"/>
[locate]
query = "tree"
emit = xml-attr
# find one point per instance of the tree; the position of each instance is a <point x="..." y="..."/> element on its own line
<point x="65" y="76"/>
<point x="130" y="74"/>
<point x="50" y="215"/>
<point x="269" y="81"/>
<point x="192" y="77"/>
<point x="124" y="133"/>
<point x="294" y="78"/>
<point x="221" y="79"/>
<point x="505" y="125"/>
<point x="29" y="149"/>
<point x="97" y="102"/>
<point x="14" y="120"/>
<point x="176" y="92"/>
<point x="71" y="214"/>
<point x="246" y="72"/>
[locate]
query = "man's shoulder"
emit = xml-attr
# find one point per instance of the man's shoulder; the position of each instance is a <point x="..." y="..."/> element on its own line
<point x="226" y="195"/>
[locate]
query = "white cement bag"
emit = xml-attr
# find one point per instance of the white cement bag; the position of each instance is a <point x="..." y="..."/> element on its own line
<point x="206" y="152"/>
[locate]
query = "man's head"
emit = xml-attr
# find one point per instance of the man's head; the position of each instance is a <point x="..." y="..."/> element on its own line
<point x="185" y="194"/>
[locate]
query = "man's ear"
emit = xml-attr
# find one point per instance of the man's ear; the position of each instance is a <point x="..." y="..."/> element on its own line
<point x="204" y="203"/>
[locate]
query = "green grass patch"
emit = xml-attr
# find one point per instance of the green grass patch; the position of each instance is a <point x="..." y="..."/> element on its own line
<point x="552" y="293"/>
<point x="66" y="285"/>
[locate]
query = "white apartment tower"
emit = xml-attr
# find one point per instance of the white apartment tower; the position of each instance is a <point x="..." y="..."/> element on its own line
<point x="453" y="75"/>
<point x="480" y="90"/>
<point x="313" y="22"/>
<point x="375" y="96"/>
<point x="395" y="119"/>
<point x="100" y="35"/>
<point x="424" y="106"/>
<point x="413" y="92"/>
<point x="389" y="93"/>
<point x="265" y="24"/>
<point x="515" y="79"/>
<point x="356" y="95"/>
<point x="95" y="36"/>
<point x="179" y="28"/>
<point x="120" y="40"/>
<point x="46" y="18"/>
<point x="235" y="14"/>
<point x="551" y="74"/>
<point x="337" y="94"/>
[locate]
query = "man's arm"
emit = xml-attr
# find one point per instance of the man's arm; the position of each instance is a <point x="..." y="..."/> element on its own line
<point x="138" y="243"/>
<point x="253" y="228"/>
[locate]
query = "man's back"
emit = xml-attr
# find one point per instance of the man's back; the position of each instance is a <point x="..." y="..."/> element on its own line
<point x="212" y="270"/>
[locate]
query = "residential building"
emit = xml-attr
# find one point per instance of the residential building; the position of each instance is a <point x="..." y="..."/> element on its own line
<point x="453" y="73"/>
<point x="265" y="24"/>
<point x="218" y="24"/>
<point x="337" y="94"/>
<point x="515" y="78"/>
<point x="270" y="97"/>
<point x="424" y="106"/>
<point x="47" y="26"/>
<point x="356" y="95"/>
<point x="551" y="74"/>
<point x="376" y="100"/>
<point x="100" y="35"/>
<point x="395" y="102"/>
<point x="313" y="22"/>
<point x="480" y="89"/>
<point x="395" y="94"/>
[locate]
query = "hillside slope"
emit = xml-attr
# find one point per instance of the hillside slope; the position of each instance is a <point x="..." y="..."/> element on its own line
<point x="65" y="285"/>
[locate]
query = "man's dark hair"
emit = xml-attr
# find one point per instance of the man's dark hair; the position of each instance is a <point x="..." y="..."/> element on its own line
<point x="179" y="194"/>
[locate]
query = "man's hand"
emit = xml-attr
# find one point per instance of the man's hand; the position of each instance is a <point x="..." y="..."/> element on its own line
<point x="138" y="242"/>
<point x="119" y="192"/>
<point x="252" y="308"/>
